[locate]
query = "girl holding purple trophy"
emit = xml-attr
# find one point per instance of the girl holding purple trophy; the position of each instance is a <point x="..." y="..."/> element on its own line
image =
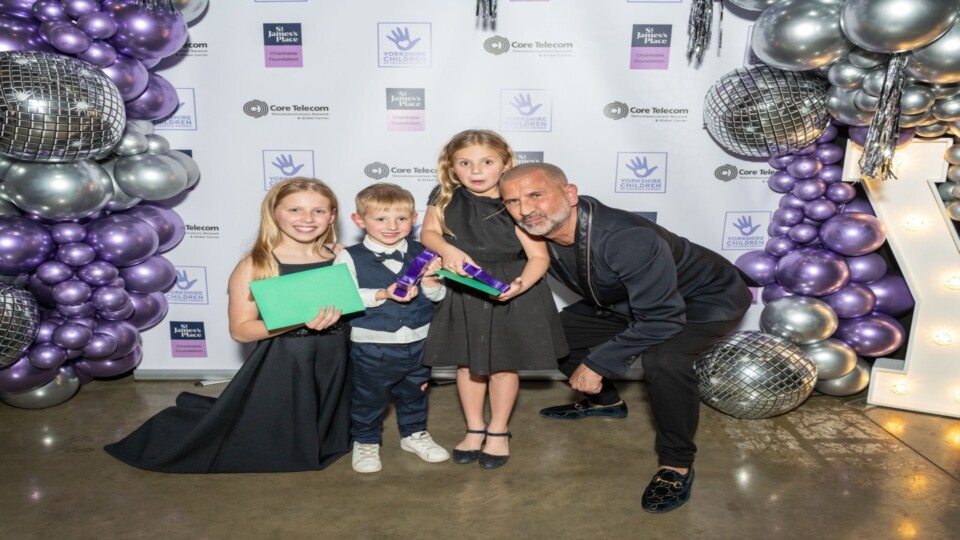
<point x="487" y="338"/>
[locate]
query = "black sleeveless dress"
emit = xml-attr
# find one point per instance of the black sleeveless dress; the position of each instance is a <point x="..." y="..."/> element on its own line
<point x="286" y="409"/>
<point x="470" y="329"/>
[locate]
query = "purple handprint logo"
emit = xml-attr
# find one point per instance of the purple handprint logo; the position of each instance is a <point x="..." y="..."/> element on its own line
<point x="401" y="38"/>
<point x="523" y="103"/>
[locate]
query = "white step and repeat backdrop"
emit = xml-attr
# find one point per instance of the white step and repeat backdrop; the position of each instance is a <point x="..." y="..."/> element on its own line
<point x="357" y="92"/>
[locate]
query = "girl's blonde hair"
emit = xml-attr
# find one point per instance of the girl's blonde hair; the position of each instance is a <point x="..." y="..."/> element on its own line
<point x="448" y="180"/>
<point x="269" y="235"/>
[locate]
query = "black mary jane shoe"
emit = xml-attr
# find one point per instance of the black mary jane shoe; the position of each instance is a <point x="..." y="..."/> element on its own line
<point x="463" y="457"/>
<point x="490" y="461"/>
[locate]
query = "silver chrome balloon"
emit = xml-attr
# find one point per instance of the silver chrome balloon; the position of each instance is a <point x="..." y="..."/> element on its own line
<point x="798" y="35"/>
<point x="19" y="321"/>
<point x="891" y="26"/>
<point x="188" y="164"/>
<point x="56" y="108"/>
<point x="7" y="208"/>
<point x="952" y="155"/>
<point x="755" y="375"/>
<point x="864" y="101"/>
<point x="63" y="387"/>
<point x="932" y="130"/>
<point x="833" y="358"/>
<point x="190" y="10"/>
<point x="916" y="98"/>
<point x="120" y="200"/>
<point x="941" y="91"/>
<point x="157" y="144"/>
<point x="938" y="62"/>
<point x="953" y="173"/>
<point x="753" y="5"/>
<point x="873" y="82"/>
<point x="947" y="110"/>
<point x="149" y="176"/>
<point x="143" y="126"/>
<point x="131" y="143"/>
<point x="841" y="105"/>
<point x="864" y="59"/>
<point x="953" y="210"/>
<point x="763" y="111"/>
<point x="58" y="191"/>
<point x="846" y="75"/>
<point x="800" y="319"/>
<point x="851" y="383"/>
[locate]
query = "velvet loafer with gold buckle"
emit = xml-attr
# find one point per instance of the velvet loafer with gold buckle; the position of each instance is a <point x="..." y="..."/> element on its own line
<point x="668" y="490"/>
<point x="583" y="409"/>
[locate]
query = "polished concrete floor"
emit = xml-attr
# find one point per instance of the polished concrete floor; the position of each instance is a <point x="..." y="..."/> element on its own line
<point x="831" y="469"/>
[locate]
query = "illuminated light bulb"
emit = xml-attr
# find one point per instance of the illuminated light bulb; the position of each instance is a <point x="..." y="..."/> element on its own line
<point x="914" y="223"/>
<point x="952" y="282"/>
<point x="900" y="387"/>
<point x="943" y="336"/>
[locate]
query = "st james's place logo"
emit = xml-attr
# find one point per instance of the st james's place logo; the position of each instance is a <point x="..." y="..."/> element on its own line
<point x="618" y="110"/>
<point x="282" y="164"/>
<point x="282" y="45"/>
<point x="498" y="45"/>
<point x="526" y="110"/>
<point x="378" y="170"/>
<point x="650" y="46"/>
<point x="190" y="287"/>
<point x="745" y="230"/>
<point x="257" y="108"/>
<point x="521" y="157"/>
<point x="188" y="339"/>
<point x="404" y="45"/>
<point x="406" y="109"/>
<point x="184" y="118"/>
<point x="641" y="172"/>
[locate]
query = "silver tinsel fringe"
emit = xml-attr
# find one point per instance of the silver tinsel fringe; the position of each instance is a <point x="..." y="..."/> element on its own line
<point x="876" y="163"/>
<point x="487" y="9"/>
<point x="699" y="28"/>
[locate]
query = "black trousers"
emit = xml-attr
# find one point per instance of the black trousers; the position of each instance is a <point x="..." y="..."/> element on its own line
<point x="667" y="369"/>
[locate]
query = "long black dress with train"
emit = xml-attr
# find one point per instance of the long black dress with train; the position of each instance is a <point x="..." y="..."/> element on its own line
<point x="286" y="409"/>
<point x="470" y="329"/>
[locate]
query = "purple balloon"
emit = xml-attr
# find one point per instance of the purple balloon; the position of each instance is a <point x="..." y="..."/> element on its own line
<point x="101" y="346"/>
<point x="158" y="101"/>
<point x="89" y="322"/>
<point x="859" y="205"/>
<point x="893" y="295"/>
<point x="791" y="201"/>
<point x="47" y="356"/>
<point x="153" y="275"/>
<point x="852" y="234"/>
<point x="804" y="167"/>
<point x="143" y="32"/>
<point x="22" y="376"/>
<point x="829" y="153"/>
<point x="760" y="266"/>
<point x="48" y="10"/>
<point x="875" y="334"/>
<point x="780" y="162"/>
<point x="110" y="367"/>
<point x="66" y="38"/>
<point x="866" y="268"/>
<point x="99" y="53"/>
<point x="78" y="8"/>
<point x="806" y="150"/>
<point x="168" y="224"/>
<point x="788" y="216"/>
<point x="17" y="8"/>
<point x="46" y="328"/>
<point x="811" y="271"/>
<point x="803" y="233"/>
<point x="126" y="334"/>
<point x="98" y="273"/>
<point x="774" y="229"/>
<point x="840" y="192"/>
<point x="20" y="35"/>
<point x="831" y="174"/>
<point x="85" y="309"/>
<point x="53" y="272"/>
<point x="820" y="209"/>
<point x="809" y="190"/>
<point x="121" y="314"/>
<point x="42" y="291"/>
<point x="109" y="298"/>
<point x="23" y="245"/>
<point x="65" y="233"/>
<point x="98" y="25"/>
<point x="778" y="246"/>
<point x="828" y="135"/>
<point x="129" y="75"/>
<point x="71" y="292"/>
<point x="853" y="300"/>
<point x="772" y="292"/>
<point x="122" y="240"/>
<point x="148" y="309"/>
<point x="76" y="254"/>
<point x="781" y="182"/>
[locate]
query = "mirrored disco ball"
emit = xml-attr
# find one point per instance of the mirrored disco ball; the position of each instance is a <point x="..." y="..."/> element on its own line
<point x="56" y="108"/>
<point x="19" y="320"/>
<point x="755" y="375"/>
<point x="763" y="111"/>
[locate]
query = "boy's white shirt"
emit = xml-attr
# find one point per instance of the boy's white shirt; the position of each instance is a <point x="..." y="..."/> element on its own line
<point x="368" y="296"/>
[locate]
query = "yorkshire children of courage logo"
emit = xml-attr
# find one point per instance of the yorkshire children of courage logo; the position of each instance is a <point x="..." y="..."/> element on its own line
<point x="378" y="170"/>
<point x="745" y="230"/>
<point x="257" y="108"/>
<point x="406" y="109"/>
<point x="618" y="110"/>
<point x="641" y="172"/>
<point x="404" y="45"/>
<point x="184" y="117"/>
<point x="526" y="110"/>
<point x="282" y="164"/>
<point x="188" y="339"/>
<point x="282" y="45"/>
<point x="498" y="45"/>
<point x="650" y="46"/>
<point x="190" y="287"/>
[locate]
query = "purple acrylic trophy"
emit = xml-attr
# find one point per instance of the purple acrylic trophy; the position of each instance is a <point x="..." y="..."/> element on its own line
<point x="415" y="273"/>
<point x="485" y="278"/>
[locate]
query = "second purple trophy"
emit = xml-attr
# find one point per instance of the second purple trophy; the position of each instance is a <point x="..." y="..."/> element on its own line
<point x="419" y="267"/>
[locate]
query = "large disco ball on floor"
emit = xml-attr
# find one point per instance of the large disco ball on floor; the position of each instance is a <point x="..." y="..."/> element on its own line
<point x="755" y="375"/>
<point x="763" y="111"/>
<point x="19" y="321"/>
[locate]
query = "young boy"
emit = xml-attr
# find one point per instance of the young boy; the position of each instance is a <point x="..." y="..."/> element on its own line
<point x="387" y="340"/>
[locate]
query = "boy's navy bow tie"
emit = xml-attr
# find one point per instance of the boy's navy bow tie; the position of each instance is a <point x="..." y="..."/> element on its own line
<point x="395" y="255"/>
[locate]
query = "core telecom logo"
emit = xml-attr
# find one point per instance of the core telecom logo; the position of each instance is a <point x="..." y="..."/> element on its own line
<point x="618" y="110"/>
<point x="184" y="118"/>
<point x="282" y="45"/>
<point x="641" y="172"/>
<point x="745" y="230"/>
<point x="190" y="287"/>
<point x="526" y="110"/>
<point x="256" y="108"/>
<point x="406" y="109"/>
<point x="279" y="165"/>
<point x="650" y="46"/>
<point x="498" y="45"/>
<point x="404" y="45"/>
<point x="378" y="170"/>
<point x="728" y="172"/>
<point x="188" y="339"/>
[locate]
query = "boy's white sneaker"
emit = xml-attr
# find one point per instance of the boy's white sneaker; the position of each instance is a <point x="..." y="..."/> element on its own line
<point x="366" y="457"/>
<point x="423" y="445"/>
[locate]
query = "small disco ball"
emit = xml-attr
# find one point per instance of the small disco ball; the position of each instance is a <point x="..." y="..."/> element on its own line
<point x="755" y="375"/>
<point x="762" y="111"/>
<point x="55" y="108"/>
<point x="19" y="321"/>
